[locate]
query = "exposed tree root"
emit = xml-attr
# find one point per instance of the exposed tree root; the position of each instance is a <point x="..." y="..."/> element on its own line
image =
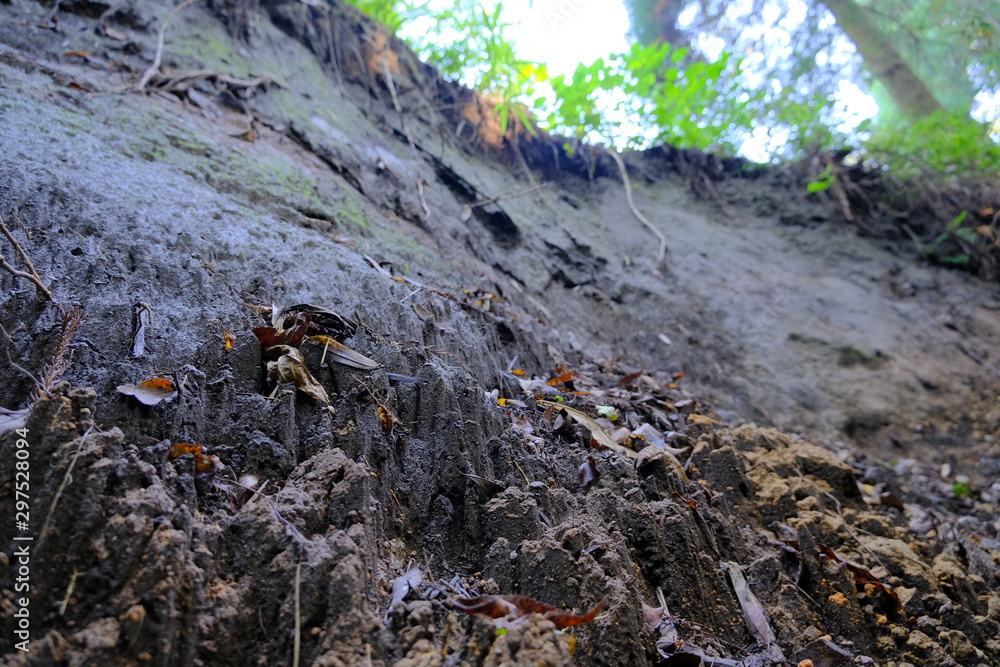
<point x="662" y="253"/>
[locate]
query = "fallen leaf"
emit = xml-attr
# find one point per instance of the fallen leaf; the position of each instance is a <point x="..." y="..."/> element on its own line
<point x="753" y="612"/>
<point x="562" y="379"/>
<point x="250" y="136"/>
<point x="343" y="240"/>
<point x="150" y="392"/>
<point x="596" y="432"/>
<point x="11" y="420"/>
<point x="405" y="583"/>
<point x="203" y="464"/>
<point x="516" y="606"/>
<point x="293" y="336"/>
<point x="861" y="576"/>
<point x="143" y="319"/>
<point x="607" y="411"/>
<point x="518" y="372"/>
<point x="389" y="420"/>
<point x="228" y="339"/>
<point x="652" y="453"/>
<point x="588" y="472"/>
<point x="289" y="367"/>
<point x="114" y="34"/>
<point x="630" y="379"/>
<point x="700" y="420"/>
<point x="324" y="320"/>
<point x="73" y="85"/>
<point x="343" y="354"/>
<point x="487" y="486"/>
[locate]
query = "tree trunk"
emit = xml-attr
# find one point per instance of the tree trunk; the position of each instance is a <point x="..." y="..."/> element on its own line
<point x="911" y="95"/>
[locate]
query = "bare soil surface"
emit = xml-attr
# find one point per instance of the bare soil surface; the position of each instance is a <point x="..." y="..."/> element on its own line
<point x="800" y="425"/>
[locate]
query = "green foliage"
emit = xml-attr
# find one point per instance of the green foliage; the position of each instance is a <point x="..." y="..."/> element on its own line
<point x="953" y="245"/>
<point x="942" y="144"/>
<point x="384" y="11"/>
<point x="960" y="490"/>
<point x="657" y="94"/>
<point x="823" y="181"/>
<point x="470" y="44"/>
<point x="663" y="96"/>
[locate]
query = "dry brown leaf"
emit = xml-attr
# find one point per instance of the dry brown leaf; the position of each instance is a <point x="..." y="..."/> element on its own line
<point x="203" y="464"/>
<point x="150" y="392"/>
<point x="498" y="606"/>
<point x="753" y="612"/>
<point x="293" y="336"/>
<point x="588" y="472"/>
<point x="289" y="367"/>
<point x="228" y="339"/>
<point x="700" y="420"/>
<point x="114" y="34"/>
<point x="596" y="431"/>
<point x="389" y="420"/>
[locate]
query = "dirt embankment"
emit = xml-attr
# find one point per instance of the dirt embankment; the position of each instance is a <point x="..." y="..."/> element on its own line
<point x="270" y="165"/>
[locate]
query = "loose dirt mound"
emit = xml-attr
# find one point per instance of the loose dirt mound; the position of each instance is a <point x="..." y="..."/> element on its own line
<point x="253" y="175"/>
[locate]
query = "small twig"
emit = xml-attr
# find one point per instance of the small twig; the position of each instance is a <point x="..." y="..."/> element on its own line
<point x="916" y="240"/>
<point x="7" y="348"/>
<point x="519" y="193"/>
<point x="515" y="144"/>
<point x="526" y="480"/>
<point x="635" y="211"/>
<point x="423" y="200"/>
<point x="148" y="74"/>
<point x="21" y="274"/>
<point x="298" y="616"/>
<point x="69" y="592"/>
<point x="395" y="100"/>
<point x="17" y="246"/>
<point x="31" y="275"/>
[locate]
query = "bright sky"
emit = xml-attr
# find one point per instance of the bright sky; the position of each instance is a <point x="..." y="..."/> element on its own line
<point x="564" y="33"/>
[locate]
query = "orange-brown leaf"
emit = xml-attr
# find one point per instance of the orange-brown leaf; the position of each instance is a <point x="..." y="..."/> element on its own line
<point x="150" y="392"/>
<point x="498" y="606"/>
<point x="228" y="339"/>
<point x="202" y="463"/>
<point x="293" y="336"/>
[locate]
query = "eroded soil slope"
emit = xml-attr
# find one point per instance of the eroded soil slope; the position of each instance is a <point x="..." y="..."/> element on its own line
<point x="269" y="164"/>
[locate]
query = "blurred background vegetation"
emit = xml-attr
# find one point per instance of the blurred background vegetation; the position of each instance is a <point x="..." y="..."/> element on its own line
<point x="726" y="75"/>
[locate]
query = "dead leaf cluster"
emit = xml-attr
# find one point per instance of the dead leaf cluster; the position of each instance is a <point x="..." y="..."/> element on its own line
<point x="281" y="346"/>
<point x="628" y="414"/>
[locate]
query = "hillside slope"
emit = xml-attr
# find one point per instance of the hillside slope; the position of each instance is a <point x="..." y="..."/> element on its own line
<point x="268" y="164"/>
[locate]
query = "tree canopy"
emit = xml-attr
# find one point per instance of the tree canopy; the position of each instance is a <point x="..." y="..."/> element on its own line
<point x="781" y="78"/>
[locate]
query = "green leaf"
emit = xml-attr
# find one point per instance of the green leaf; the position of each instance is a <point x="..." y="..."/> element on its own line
<point x="957" y="222"/>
